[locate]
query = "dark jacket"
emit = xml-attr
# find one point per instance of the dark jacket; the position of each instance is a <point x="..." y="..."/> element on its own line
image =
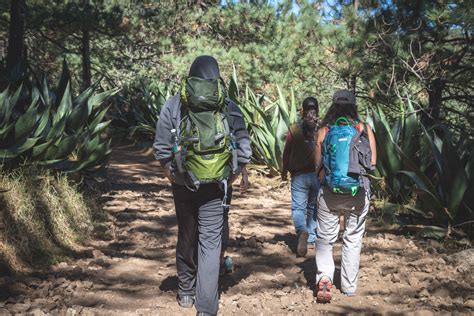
<point x="298" y="155"/>
<point x="170" y="117"/>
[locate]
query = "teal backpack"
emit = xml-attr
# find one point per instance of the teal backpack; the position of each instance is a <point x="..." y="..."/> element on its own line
<point x="337" y="145"/>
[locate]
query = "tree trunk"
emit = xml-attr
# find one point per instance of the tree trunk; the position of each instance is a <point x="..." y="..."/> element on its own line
<point x="86" y="59"/>
<point x="16" y="38"/>
<point x="435" y="94"/>
<point x="353" y="82"/>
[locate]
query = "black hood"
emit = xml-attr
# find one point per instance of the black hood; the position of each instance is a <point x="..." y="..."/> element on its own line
<point x="205" y="67"/>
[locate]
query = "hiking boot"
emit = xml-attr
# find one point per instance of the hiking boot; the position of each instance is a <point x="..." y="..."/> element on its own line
<point x="185" y="301"/>
<point x="227" y="266"/>
<point x="302" y="247"/>
<point x="204" y="314"/>
<point x="324" y="290"/>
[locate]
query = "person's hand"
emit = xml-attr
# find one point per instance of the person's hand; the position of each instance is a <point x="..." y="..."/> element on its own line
<point x="169" y="174"/>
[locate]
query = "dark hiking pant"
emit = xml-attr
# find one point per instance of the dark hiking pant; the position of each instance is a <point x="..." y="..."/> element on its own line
<point x="200" y="219"/>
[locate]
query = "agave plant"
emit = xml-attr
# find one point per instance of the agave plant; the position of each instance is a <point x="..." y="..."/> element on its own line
<point x="54" y="128"/>
<point x="403" y="134"/>
<point x="139" y="109"/>
<point x="147" y="111"/>
<point x="445" y="193"/>
<point x="267" y="125"/>
<point x="412" y="159"/>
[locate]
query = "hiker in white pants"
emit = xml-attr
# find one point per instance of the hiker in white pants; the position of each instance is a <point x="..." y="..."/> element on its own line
<point x="345" y="151"/>
<point x="327" y="233"/>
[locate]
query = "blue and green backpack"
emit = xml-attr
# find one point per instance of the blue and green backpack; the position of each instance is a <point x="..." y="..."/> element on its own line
<point x="337" y="146"/>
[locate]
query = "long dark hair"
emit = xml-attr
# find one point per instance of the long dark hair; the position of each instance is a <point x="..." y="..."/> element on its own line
<point x="347" y="110"/>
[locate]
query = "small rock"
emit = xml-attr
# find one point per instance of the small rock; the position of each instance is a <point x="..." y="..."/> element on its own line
<point x="395" y="278"/>
<point x="35" y="312"/>
<point x="32" y="282"/>
<point x="76" y="271"/>
<point x="252" y="242"/>
<point x="441" y="292"/>
<point x="59" y="281"/>
<point x="422" y="293"/>
<point x="97" y="254"/>
<point x="464" y="257"/>
<point x="412" y="281"/>
<point x="18" y="308"/>
<point x="102" y="263"/>
<point x="42" y="291"/>
<point x="427" y="269"/>
<point x="469" y="303"/>
<point x="280" y="293"/>
<point x="394" y="300"/>
<point x="39" y="301"/>
<point x="458" y="300"/>
<point x="62" y="265"/>
<point x="87" y="284"/>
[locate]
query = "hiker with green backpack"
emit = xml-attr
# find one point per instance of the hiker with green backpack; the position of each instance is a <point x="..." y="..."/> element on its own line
<point x="203" y="144"/>
<point x="345" y="153"/>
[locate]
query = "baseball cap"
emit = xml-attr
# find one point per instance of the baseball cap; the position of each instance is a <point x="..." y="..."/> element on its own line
<point x="310" y="103"/>
<point x="344" y="97"/>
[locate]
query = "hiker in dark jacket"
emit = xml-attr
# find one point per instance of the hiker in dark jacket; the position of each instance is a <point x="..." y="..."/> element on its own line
<point x="298" y="159"/>
<point x="200" y="211"/>
<point x="345" y="152"/>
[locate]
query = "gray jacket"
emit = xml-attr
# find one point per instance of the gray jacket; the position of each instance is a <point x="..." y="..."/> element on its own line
<point x="170" y="117"/>
<point x="360" y="157"/>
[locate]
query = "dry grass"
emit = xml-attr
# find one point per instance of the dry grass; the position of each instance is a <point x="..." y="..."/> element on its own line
<point x="42" y="217"/>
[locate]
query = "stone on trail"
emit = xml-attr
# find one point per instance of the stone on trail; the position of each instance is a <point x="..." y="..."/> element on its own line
<point x="469" y="303"/>
<point x="422" y="293"/>
<point x="18" y="308"/>
<point x="34" y="312"/>
<point x="395" y="278"/>
<point x="76" y="272"/>
<point x="97" y="254"/>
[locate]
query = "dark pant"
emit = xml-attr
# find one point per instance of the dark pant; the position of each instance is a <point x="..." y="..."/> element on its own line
<point x="200" y="219"/>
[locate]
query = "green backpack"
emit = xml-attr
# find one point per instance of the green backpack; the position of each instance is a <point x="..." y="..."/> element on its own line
<point x="205" y="147"/>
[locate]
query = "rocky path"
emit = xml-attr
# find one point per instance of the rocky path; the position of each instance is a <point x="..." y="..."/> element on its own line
<point x="129" y="267"/>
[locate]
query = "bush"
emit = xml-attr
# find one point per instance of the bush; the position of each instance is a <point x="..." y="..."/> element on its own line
<point x="53" y="127"/>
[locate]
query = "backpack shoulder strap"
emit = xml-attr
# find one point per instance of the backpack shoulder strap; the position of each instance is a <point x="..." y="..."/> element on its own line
<point x="361" y="127"/>
<point x="296" y="130"/>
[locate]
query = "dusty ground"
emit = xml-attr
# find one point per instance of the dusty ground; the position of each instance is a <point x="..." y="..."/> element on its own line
<point x="129" y="267"/>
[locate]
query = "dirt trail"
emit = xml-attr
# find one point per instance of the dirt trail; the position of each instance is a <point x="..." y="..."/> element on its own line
<point x="130" y="267"/>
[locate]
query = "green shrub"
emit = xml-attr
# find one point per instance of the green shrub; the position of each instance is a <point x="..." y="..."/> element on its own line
<point x="54" y="128"/>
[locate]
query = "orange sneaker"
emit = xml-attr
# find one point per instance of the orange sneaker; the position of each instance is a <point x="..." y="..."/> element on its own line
<point x="324" y="290"/>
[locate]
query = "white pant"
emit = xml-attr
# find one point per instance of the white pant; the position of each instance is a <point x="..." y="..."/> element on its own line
<point x="327" y="232"/>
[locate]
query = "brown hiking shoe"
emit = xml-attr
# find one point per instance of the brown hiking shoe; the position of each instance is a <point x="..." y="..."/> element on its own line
<point x="302" y="247"/>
